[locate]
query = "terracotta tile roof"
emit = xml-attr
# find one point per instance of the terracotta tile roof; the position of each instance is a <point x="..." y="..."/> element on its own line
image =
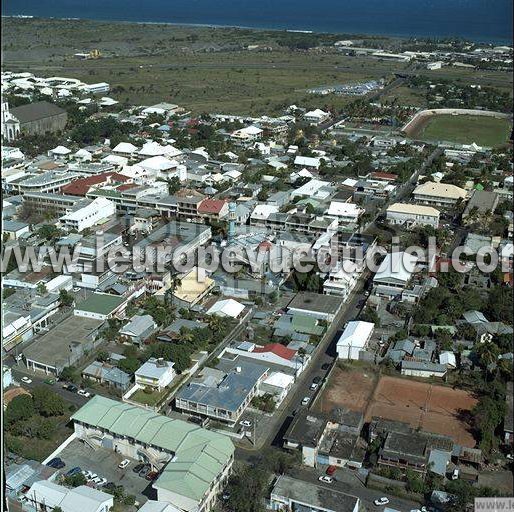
<point x="277" y="349"/>
<point x="81" y="186"/>
<point x="384" y="176"/>
<point x="211" y="206"/>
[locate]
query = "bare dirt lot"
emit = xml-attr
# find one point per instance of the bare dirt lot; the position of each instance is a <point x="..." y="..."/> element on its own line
<point x="433" y="408"/>
<point x="351" y="388"/>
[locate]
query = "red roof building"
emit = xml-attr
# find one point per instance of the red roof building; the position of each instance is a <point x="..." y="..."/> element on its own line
<point x="82" y="186"/>
<point x="277" y="349"/>
<point x="387" y="176"/>
<point x="216" y="207"/>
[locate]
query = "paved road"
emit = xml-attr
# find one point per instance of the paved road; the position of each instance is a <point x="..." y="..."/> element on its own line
<point x="325" y="353"/>
<point x="37" y="380"/>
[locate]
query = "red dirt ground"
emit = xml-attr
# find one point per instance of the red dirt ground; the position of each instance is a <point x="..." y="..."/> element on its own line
<point x="432" y="408"/>
<point x="347" y="388"/>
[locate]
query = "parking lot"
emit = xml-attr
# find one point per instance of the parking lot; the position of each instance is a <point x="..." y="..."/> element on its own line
<point x="104" y="463"/>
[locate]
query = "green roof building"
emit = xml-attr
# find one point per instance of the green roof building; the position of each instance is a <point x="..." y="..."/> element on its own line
<point x="194" y="462"/>
<point x="100" y="306"/>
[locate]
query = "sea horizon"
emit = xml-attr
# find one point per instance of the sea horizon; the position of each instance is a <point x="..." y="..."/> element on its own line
<point x="484" y="21"/>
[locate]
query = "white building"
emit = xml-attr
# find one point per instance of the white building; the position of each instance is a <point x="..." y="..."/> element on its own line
<point x="99" y="88"/>
<point x="261" y="212"/>
<point x="86" y="217"/>
<point x="313" y="188"/>
<point x="438" y="194"/>
<point x="396" y="270"/>
<point x="247" y="134"/>
<point x="227" y="308"/>
<point x="155" y="373"/>
<point x="45" y="496"/>
<point x="354" y="338"/>
<point x="315" y="117"/>
<point x="308" y="162"/>
<point x="341" y="280"/>
<point x="348" y="213"/>
<point x="10" y="125"/>
<point x="412" y="215"/>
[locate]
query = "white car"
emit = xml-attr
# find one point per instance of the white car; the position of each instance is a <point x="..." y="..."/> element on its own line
<point x="246" y="423"/>
<point x="314" y="386"/>
<point x="306" y="400"/>
<point x="83" y="392"/>
<point x="326" y="479"/>
<point x="510" y="456"/>
<point x="381" y="501"/>
<point x="26" y="380"/>
<point x="124" y="463"/>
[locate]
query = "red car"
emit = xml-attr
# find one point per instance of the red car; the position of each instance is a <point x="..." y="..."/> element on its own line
<point x="152" y="475"/>
<point x="331" y="470"/>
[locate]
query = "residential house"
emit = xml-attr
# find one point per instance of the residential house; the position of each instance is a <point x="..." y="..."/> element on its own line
<point x="219" y="395"/>
<point x="155" y="373"/>
<point x="139" y="328"/>
<point x="107" y="374"/>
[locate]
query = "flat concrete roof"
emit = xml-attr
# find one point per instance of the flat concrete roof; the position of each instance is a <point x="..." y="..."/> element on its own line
<point x="53" y="349"/>
<point x="314" y="495"/>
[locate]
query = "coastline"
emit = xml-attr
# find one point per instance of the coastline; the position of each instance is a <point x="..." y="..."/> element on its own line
<point x="306" y="31"/>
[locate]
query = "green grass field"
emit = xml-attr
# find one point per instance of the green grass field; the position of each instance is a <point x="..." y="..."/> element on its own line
<point x="464" y="129"/>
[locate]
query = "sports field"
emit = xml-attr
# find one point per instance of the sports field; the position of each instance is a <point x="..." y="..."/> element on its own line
<point x="466" y="129"/>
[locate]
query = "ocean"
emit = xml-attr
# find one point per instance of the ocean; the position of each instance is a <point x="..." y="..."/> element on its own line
<point x="477" y="20"/>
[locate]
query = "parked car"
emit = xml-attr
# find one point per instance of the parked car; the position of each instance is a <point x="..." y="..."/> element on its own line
<point x="102" y="482"/>
<point x="306" y="400"/>
<point x="147" y="469"/>
<point x="50" y="382"/>
<point x="124" y="463"/>
<point x="325" y="366"/>
<point x="381" y="501"/>
<point x="313" y="386"/>
<point x="326" y="479"/>
<point x="331" y="470"/>
<point x="84" y="393"/>
<point x="152" y="475"/>
<point x="74" y="471"/>
<point x="246" y="423"/>
<point x="56" y="463"/>
<point x="455" y="474"/>
<point x="317" y="379"/>
<point x="70" y="387"/>
<point x="26" y="380"/>
<point x="98" y="480"/>
<point x="138" y="468"/>
<point x="110" y="486"/>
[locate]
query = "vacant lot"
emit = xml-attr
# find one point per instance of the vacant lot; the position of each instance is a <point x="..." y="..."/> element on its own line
<point x="351" y="388"/>
<point x="202" y="69"/>
<point x="464" y="129"/>
<point x="423" y="405"/>
<point x="432" y="408"/>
